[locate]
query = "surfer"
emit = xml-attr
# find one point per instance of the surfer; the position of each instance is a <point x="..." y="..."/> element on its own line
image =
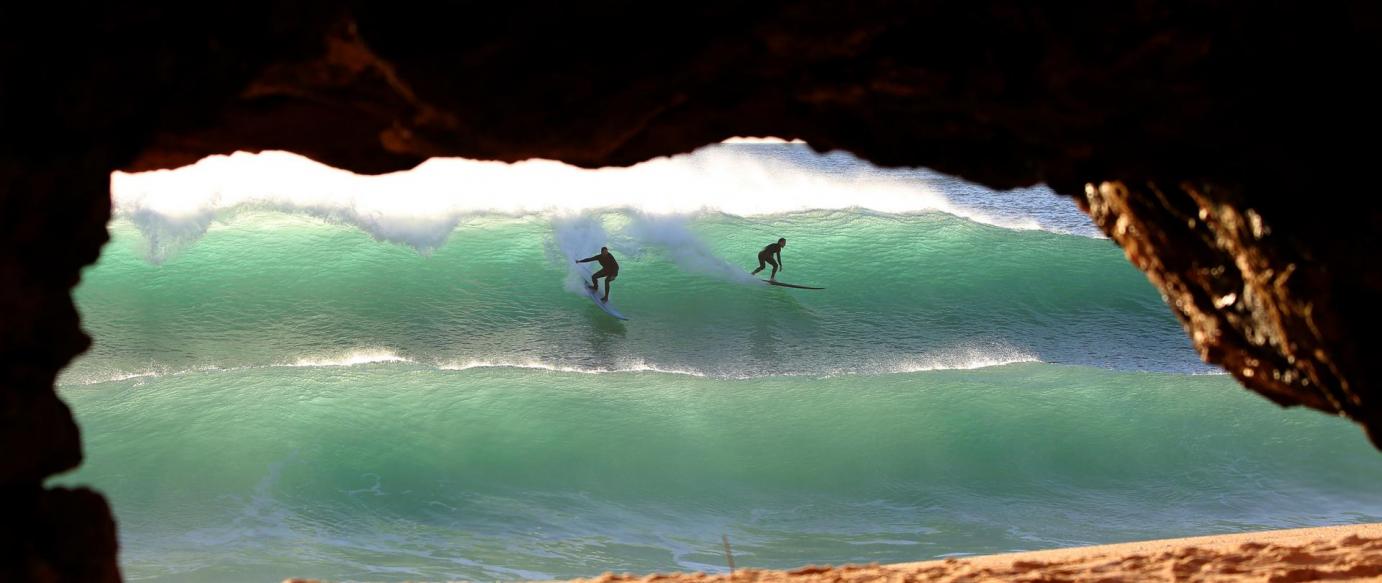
<point x="609" y="269"/>
<point x="767" y="256"/>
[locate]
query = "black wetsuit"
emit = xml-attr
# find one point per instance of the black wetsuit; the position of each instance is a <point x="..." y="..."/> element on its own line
<point x="767" y="255"/>
<point x="609" y="268"/>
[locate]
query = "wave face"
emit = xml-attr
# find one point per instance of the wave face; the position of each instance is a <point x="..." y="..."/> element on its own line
<point x="906" y="292"/>
<point x="308" y="377"/>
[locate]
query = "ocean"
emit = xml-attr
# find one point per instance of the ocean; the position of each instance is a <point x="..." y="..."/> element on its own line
<point x="302" y="372"/>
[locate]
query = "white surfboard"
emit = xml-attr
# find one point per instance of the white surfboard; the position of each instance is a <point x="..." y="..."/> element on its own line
<point x="595" y="297"/>
<point x="594" y="294"/>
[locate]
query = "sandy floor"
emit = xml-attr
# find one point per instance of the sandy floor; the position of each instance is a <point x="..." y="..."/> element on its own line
<point x="1333" y="553"/>
<point x="1338" y="553"/>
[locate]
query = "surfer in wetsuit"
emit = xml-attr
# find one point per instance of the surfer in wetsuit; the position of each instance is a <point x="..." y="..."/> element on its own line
<point x="609" y="269"/>
<point x="767" y="256"/>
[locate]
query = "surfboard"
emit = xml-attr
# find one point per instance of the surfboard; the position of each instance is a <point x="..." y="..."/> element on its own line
<point x="595" y="297"/>
<point x="780" y="284"/>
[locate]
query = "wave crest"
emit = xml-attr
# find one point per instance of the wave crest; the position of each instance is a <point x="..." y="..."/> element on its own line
<point x="422" y="206"/>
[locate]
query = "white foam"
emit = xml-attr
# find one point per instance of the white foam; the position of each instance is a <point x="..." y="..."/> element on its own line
<point x="759" y="140"/>
<point x="353" y="358"/>
<point x="963" y="359"/>
<point x="966" y="359"/>
<point x="422" y="206"/>
<point x="120" y="376"/>
<point x="961" y="362"/>
<point x="538" y="365"/>
<point x="77" y="377"/>
<point x="95" y="378"/>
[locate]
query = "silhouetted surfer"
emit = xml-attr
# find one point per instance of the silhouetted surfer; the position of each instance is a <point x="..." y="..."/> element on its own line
<point x="609" y="269"/>
<point x="767" y="256"/>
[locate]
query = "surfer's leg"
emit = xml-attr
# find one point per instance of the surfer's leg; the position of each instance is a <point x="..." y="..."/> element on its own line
<point x="609" y="279"/>
<point x="774" y="275"/>
<point x="761" y="265"/>
<point x="595" y="280"/>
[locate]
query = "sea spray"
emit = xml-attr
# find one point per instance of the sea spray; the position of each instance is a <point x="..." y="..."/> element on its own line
<point x="674" y="236"/>
<point x="577" y="237"/>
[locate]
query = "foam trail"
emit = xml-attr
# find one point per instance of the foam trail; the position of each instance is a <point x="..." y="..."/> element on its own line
<point x="684" y="247"/>
<point x="166" y="231"/>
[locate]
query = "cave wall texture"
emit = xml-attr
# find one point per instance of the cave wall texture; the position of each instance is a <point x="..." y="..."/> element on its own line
<point x="1226" y="146"/>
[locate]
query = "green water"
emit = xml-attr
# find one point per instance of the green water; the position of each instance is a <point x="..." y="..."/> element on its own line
<point x="398" y="470"/>
<point x="286" y="394"/>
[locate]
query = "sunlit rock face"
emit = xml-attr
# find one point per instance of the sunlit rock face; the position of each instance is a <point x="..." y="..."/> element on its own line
<point x="1275" y="291"/>
<point x="1226" y="147"/>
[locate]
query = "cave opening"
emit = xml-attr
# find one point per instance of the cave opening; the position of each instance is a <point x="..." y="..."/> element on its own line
<point x="1216" y="145"/>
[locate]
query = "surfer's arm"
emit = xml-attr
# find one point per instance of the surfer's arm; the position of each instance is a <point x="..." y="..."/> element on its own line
<point x="779" y="260"/>
<point x="588" y="259"/>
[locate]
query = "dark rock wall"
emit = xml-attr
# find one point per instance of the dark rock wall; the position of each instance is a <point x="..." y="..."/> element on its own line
<point x="1226" y="146"/>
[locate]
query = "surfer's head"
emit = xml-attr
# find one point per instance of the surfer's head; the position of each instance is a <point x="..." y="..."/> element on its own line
<point x="604" y="250"/>
<point x="782" y="242"/>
